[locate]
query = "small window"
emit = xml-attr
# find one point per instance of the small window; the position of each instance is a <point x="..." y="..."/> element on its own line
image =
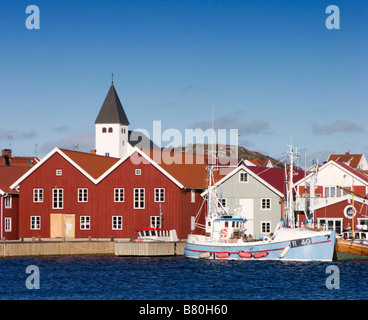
<point x="37" y="195"/>
<point x="192" y="196"/>
<point x="85" y="222"/>
<point x="159" y="195"/>
<point x="8" y="202"/>
<point x="243" y="177"/>
<point x="82" y="195"/>
<point x="155" y="221"/>
<point x="138" y="172"/>
<point x="119" y="195"/>
<point x="104" y="130"/>
<point x="117" y="223"/>
<point x="266" y="204"/>
<point x="266" y="227"/>
<point x="59" y="172"/>
<point x="8" y="224"/>
<point x="110" y="130"/>
<point x="35" y="222"/>
<point x="192" y="223"/>
<point x="221" y="203"/>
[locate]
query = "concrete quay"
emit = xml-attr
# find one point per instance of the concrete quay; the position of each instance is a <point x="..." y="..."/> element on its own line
<point x="60" y="247"/>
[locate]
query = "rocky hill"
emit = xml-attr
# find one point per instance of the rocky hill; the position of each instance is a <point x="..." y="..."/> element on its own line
<point x="230" y="151"/>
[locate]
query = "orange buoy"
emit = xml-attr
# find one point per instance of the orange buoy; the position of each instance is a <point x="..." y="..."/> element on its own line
<point x="260" y="255"/>
<point x="223" y="233"/>
<point x="245" y="254"/>
<point x="223" y="255"/>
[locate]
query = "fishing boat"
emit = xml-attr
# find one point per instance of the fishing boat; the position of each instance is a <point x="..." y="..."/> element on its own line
<point x="150" y="234"/>
<point x="225" y="237"/>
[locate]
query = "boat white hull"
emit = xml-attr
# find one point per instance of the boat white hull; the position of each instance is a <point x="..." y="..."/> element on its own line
<point x="289" y="245"/>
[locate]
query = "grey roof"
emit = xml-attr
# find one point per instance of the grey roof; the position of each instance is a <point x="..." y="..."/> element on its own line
<point x="112" y="111"/>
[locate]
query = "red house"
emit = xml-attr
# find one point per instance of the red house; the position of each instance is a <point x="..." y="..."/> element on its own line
<point x="9" y="201"/>
<point x="329" y="194"/>
<point x="79" y="195"/>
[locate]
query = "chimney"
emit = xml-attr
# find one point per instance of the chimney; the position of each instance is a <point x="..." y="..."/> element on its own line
<point x="92" y="151"/>
<point x="7" y="154"/>
<point x="346" y="153"/>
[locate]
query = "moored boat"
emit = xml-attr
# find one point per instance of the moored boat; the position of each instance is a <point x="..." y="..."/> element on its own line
<point x="155" y="234"/>
<point x="225" y="236"/>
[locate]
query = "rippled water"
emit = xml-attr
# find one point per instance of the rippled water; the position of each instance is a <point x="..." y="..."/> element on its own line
<point x="179" y="278"/>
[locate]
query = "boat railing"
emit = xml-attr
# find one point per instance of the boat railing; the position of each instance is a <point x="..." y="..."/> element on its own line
<point x="318" y="226"/>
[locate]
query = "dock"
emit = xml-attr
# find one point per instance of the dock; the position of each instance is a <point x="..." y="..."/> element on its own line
<point x="148" y="249"/>
<point x="61" y="247"/>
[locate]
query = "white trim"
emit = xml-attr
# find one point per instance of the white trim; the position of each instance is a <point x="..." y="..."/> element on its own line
<point x="326" y="165"/>
<point x="103" y="176"/>
<point x="47" y="157"/>
<point x="134" y="150"/>
<point x="333" y="200"/>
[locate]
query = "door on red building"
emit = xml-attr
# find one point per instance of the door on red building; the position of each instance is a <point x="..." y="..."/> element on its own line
<point x="62" y="225"/>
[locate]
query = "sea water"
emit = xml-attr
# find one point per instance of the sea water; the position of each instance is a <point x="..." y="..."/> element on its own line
<point x="179" y="278"/>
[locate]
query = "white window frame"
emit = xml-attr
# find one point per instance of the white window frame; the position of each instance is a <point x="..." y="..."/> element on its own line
<point x="223" y="202"/>
<point x="329" y="190"/>
<point x="119" y="194"/>
<point x="8" y="201"/>
<point x="265" y="224"/>
<point x="59" y="200"/>
<point x="37" y="195"/>
<point x="8" y="224"/>
<point x="266" y="203"/>
<point x="82" y="194"/>
<point x="241" y="174"/>
<point x="59" y="172"/>
<point x="35" y="223"/>
<point x="155" y="221"/>
<point x="117" y="222"/>
<point x="138" y="172"/>
<point x="85" y="222"/>
<point x="139" y="198"/>
<point x="192" y="196"/>
<point x="192" y="223"/>
<point x="159" y="195"/>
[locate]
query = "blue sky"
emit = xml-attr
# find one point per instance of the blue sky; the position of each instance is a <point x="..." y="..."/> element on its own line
<point x="270" y="69"/>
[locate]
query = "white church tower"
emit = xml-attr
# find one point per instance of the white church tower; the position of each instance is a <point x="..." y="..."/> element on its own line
<point x="111" y="127"/>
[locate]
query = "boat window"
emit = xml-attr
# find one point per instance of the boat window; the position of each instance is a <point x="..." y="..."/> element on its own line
<point x="226" y="224"/>
<point x="363" y="236"/>
<point x="153" y="233"/>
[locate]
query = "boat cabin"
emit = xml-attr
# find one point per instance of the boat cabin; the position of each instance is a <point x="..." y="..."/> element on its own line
<point x="156" y="234"/>
<point x="225" y="228"/>
<point x="359" y="236"/>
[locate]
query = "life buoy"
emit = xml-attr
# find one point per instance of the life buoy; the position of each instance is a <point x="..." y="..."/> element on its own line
<point x="223" y="233"/>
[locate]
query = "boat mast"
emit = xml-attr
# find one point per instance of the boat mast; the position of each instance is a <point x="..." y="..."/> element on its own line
<point x="290" y="204"/>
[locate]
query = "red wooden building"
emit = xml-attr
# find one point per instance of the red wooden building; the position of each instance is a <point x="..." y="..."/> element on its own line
<point x="9" y="201"/>
<point x="329" y="194"/>
<point x="80" y="195"/>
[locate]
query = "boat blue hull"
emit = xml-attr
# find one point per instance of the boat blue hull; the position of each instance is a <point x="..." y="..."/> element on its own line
<point x="319" y="248"/>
